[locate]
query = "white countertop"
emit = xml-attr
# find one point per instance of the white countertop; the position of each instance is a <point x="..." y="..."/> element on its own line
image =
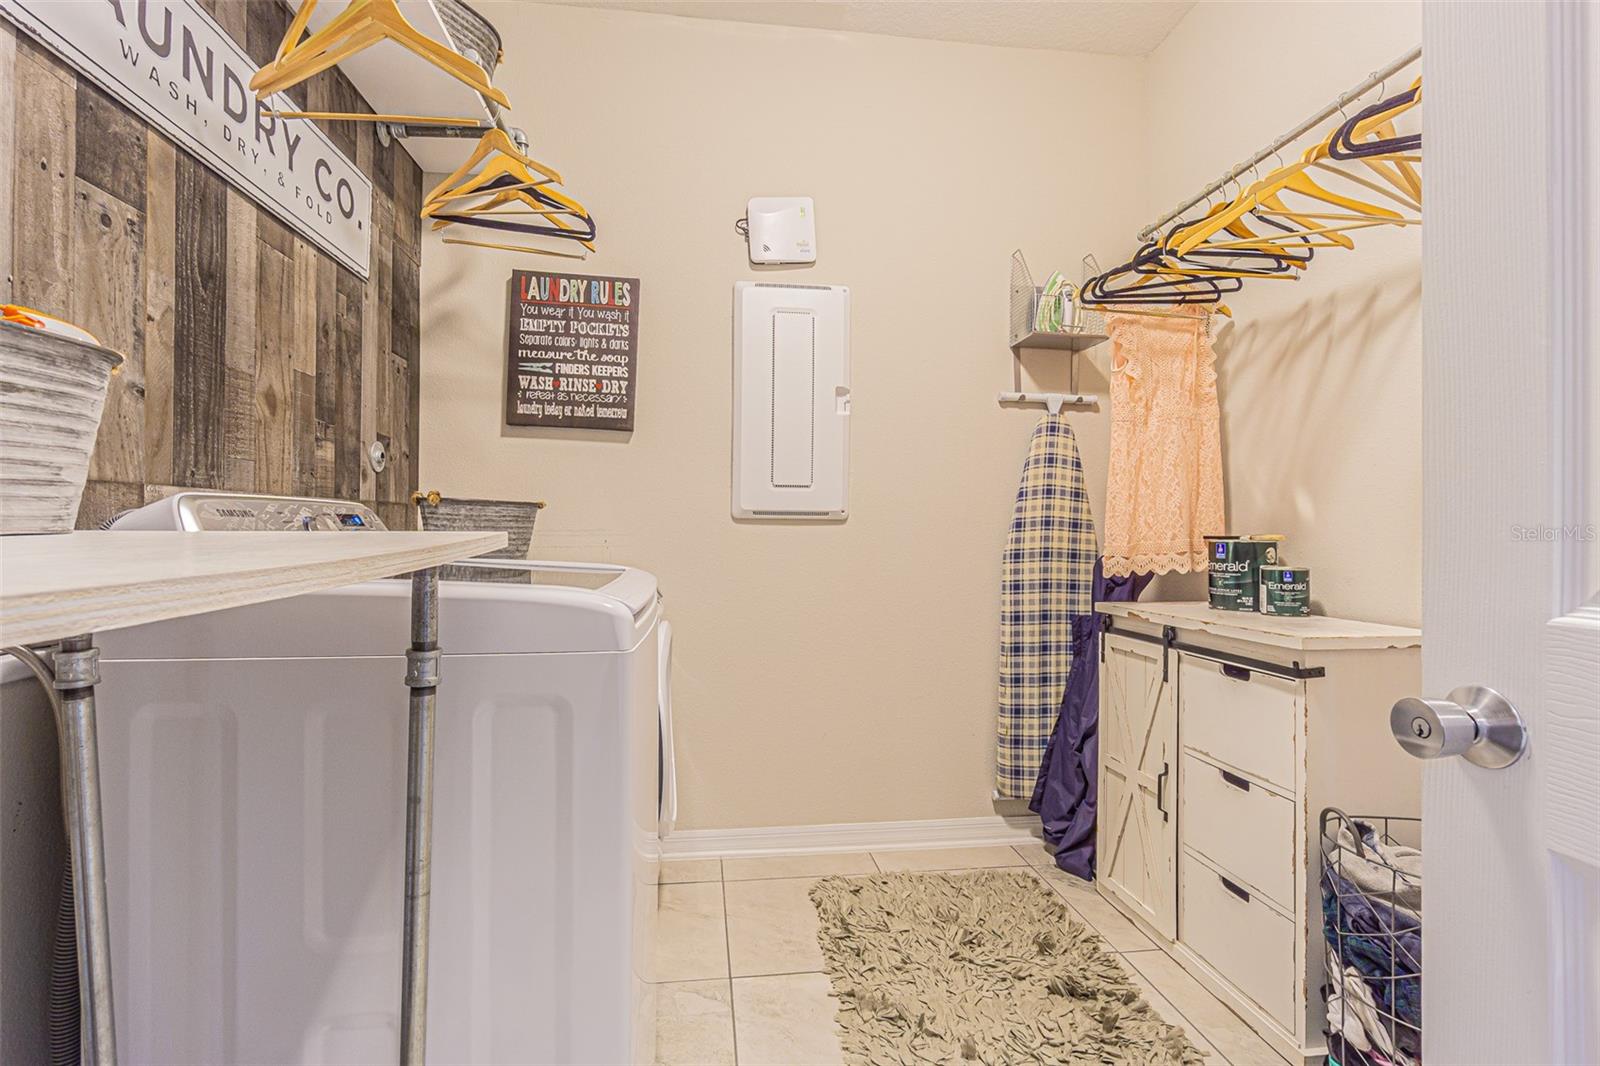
<point x="1312" y="633"/>
<point x="63" y="584"/>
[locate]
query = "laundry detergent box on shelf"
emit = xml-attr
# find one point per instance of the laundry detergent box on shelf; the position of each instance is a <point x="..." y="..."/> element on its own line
<point x="1234" y="570"/>
<point x="1285" y="590"/>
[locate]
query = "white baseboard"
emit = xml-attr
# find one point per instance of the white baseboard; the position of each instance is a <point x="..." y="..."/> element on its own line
<point x="851" y="836"/>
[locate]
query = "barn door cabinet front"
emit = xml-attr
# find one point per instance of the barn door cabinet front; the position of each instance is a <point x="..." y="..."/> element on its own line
<point x="1222" y="737"/>
<point x="1136" y="832"/>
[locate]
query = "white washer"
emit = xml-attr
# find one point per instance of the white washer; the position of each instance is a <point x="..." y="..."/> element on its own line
<point x="253" y="770"/>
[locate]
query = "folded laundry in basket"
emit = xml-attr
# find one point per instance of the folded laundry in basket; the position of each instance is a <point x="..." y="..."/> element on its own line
<point x="1394" y="872"/>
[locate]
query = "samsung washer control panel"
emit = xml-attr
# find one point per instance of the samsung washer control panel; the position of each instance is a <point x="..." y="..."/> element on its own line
<point x="219" y="511"/>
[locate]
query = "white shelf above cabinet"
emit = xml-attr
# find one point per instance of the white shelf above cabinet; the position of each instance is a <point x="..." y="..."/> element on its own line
<point x="396" y="82"/>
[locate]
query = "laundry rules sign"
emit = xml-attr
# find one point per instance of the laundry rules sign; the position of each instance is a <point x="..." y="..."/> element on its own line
<point x="574" y="351"/>
<point x="173" y="65"/>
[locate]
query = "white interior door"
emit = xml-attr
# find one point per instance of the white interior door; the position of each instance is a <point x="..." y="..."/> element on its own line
<point x="1138" y="833"/>
<point x="1511" y="919"/>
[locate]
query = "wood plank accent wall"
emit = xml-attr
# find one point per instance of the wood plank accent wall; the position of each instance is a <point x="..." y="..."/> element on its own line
<point x="255" y="363"/>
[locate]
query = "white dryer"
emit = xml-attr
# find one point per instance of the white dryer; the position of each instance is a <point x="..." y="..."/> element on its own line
<point x="253" y="769"/>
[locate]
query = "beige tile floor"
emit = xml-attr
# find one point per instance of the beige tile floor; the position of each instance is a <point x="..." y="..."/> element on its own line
<point x="744" y="981"/>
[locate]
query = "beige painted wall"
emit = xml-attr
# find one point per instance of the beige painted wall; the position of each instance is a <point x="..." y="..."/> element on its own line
<point x="845" y="673"/>
<point x="825" y="673"/>
<point x="1320" y="380"/>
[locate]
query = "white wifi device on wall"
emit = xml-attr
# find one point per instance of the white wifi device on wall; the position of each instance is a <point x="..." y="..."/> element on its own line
<point x="783" y="229"/>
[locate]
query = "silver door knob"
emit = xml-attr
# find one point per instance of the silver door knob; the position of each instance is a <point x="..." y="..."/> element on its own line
<point x="1475" y="722"/>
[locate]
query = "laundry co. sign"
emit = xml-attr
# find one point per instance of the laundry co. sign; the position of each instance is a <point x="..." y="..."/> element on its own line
<point x="169" y="61"/>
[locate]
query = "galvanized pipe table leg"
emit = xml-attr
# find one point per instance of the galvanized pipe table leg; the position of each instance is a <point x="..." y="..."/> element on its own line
<point x="76" y="673"/>
<point x="422" y="676"/>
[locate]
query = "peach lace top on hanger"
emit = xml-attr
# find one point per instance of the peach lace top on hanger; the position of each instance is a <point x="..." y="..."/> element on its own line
<point x="1164" y="487"/>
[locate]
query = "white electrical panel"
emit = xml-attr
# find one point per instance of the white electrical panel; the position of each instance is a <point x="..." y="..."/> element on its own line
<point x="791" y="401"/>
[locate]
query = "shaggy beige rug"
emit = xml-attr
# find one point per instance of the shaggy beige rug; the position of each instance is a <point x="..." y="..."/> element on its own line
<point x="985" y="967"/>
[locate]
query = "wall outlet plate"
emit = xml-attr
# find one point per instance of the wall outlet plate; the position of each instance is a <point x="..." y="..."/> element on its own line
<point x="783" y="229"/>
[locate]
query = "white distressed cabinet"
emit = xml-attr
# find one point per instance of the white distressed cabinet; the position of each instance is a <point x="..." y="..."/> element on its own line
<point x="1222" y="738"/>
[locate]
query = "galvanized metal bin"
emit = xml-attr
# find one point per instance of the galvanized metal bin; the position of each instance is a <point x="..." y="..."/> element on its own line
<point x="52" y="393"/>
<point x="449" y="514"/>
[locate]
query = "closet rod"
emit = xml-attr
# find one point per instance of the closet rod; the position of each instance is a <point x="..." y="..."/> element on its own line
<point x="412" y="129"/>
<point x="1377" y="77"/>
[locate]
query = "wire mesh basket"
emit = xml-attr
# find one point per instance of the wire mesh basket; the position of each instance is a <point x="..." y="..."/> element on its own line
<point x="1049" y="319"/>
<point x="1372" y="924"/>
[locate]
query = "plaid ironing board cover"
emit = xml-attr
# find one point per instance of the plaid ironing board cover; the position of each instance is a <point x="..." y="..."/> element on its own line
<point x="1047" y="576"/>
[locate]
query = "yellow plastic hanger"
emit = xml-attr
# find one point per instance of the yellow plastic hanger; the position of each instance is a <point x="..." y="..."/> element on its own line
<point x="360" y="25"/>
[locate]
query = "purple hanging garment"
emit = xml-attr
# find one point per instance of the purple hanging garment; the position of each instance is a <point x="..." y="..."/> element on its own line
<point x="1065" y="793"/>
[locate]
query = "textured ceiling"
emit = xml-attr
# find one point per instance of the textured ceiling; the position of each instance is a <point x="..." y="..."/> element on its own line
<point x="1126" y="28"/>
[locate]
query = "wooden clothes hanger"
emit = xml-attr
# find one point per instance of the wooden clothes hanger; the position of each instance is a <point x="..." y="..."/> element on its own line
<point x="1389" y="162"/>
<point x="1269" y="250"/>
<point x="448" y="210"/>
<point x="1386" y="154"/>
<point x="1286" y="179"/>
<point x="360" y="25"/>
<point x="582" y="231"/>
<point x="516" y="248"/>
<point x="510" y="179"/>
<point x="494" y="141"/>
<point x="1291" y="215"/>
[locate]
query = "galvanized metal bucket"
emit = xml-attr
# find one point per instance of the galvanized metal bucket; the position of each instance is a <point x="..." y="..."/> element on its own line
<point x="473" y="36"/>
<point x="455" y="515"/>
<point x="52" y="393"/>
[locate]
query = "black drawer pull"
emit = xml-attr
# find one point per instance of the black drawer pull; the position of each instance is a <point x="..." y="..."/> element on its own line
<point x="1235" y="889"/>
<point x="1238" y="673"/>
<point x="1235" y="780"/>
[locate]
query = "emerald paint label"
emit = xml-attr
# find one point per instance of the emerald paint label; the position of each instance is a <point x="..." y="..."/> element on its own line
<point x="1234" y="572"/>
<point x="1285" y="590"/>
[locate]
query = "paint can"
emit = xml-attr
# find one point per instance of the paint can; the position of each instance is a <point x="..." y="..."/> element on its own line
<point x="1285" y="590"/>
<point x="1234" y="569"/>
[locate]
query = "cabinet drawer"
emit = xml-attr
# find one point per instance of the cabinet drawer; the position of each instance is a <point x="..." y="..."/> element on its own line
<point x="1243" y="718"/>
<point x="1240" y="826"/>
<point x="1246" y="941"/>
